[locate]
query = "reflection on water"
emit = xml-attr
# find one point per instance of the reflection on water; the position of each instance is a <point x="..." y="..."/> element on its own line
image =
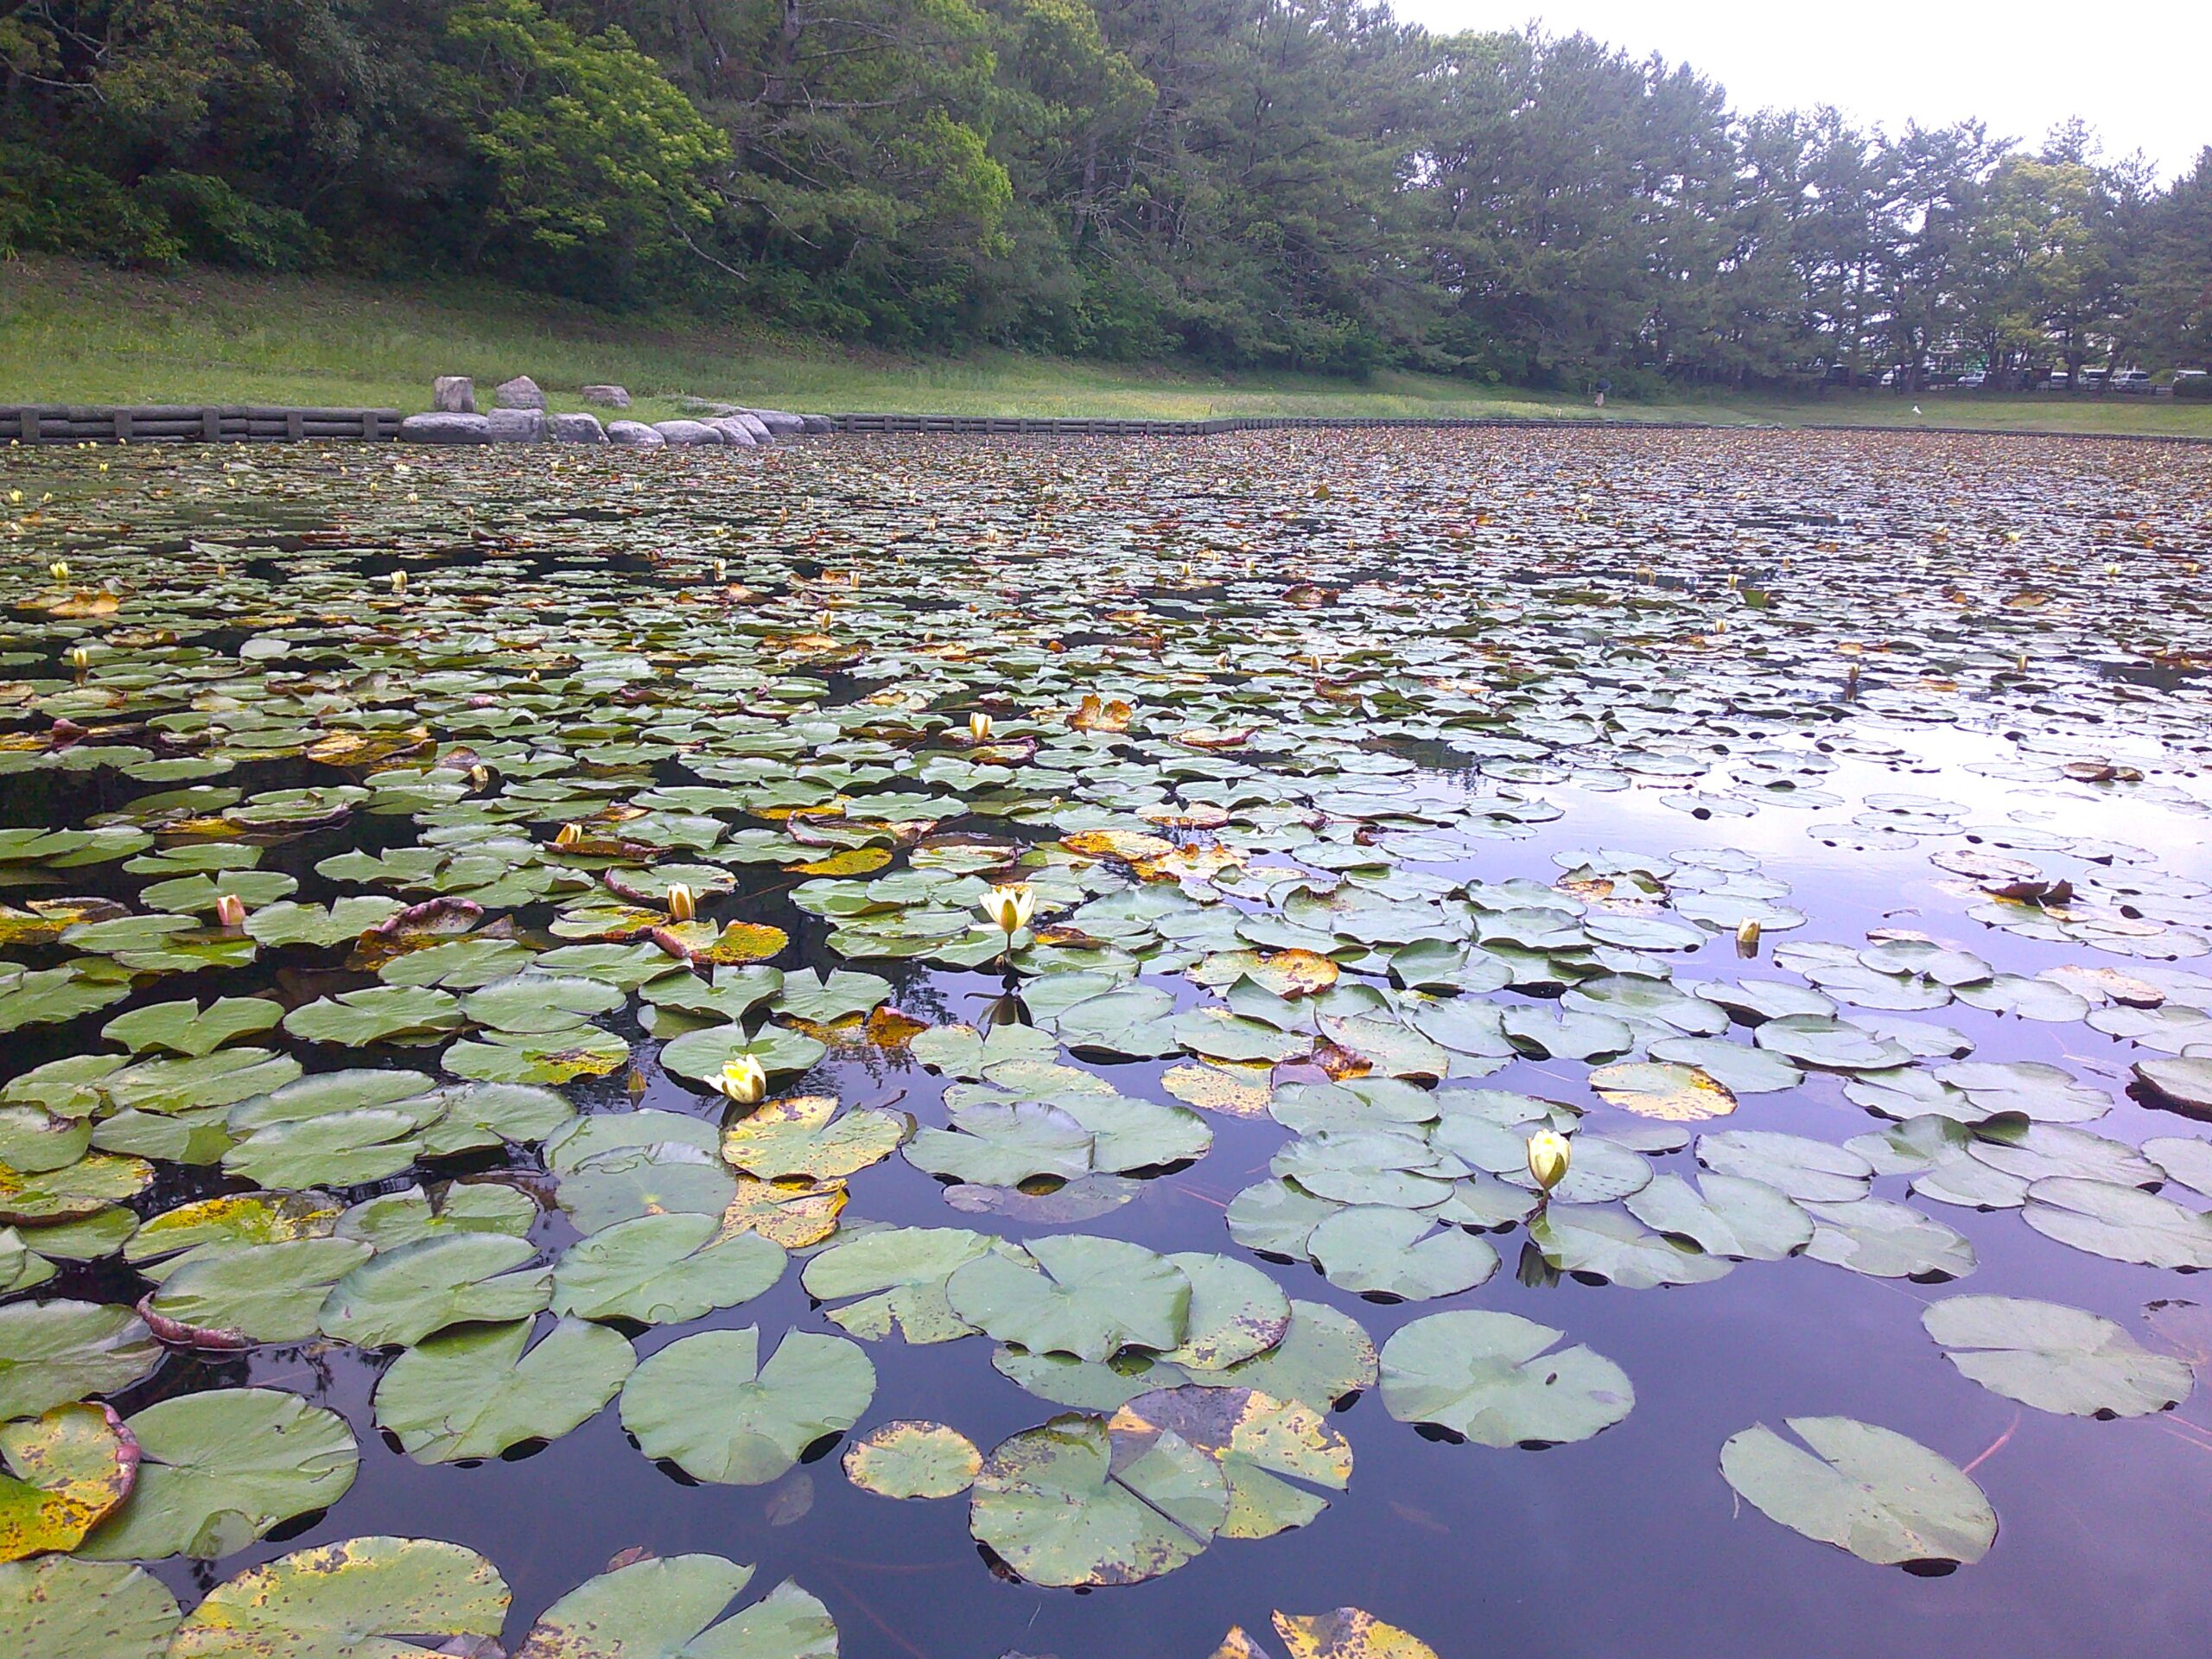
<point x="1557" y="622"/>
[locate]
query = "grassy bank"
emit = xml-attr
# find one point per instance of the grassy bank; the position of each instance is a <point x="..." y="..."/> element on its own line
<point x="72" y="333"/>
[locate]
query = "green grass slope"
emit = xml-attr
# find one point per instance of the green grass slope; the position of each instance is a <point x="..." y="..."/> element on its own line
<point x="75" y="333"/>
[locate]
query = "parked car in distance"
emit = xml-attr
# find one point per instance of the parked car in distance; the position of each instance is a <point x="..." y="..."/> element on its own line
<point x="2094" y="379"/>
<point x="1974" y="379"/>
<point x="2132" y="380"/>
<point x="2060" y="380"/>
<point x="2192" y="382"/>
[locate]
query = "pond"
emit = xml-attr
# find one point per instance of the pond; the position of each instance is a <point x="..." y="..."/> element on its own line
<point x="521" y="1122"/>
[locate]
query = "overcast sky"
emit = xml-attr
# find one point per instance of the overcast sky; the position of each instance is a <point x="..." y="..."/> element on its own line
<point x="2138" y="70"/>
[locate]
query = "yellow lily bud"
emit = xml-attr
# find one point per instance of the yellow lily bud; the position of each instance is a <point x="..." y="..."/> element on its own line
<point x="682" y="906"/>
<point x="1010" y="906"/>
<point x="743" y="1080"/>
<point x="571" y="834"/>
<point x="399" y="581"/>
<point x="230" y="910"/>
<point x="979" y="727"/>
<point x="1550" y="1154"/>
<point x="722" y="569"/>
<point x="80" y="657"/>
<point x="58" y="569"/>
<point x="1747" y="937"/>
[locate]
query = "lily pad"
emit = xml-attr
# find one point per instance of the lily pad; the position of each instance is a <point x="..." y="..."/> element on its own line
<point x="664" y="1269"/>
<point x="913" y="1459"/>
<point x="1885" y="1497"/>
<point x="1075" y="1294"/>
<point x="53" y="1352"/>
<point x="706" y="1404"/>
<point x="65" y="1471"/>
<point x="219" y="1470"/>
<point x="1497" y="1379"/>
<point x="665" y="1608"/>
<point x="58" y="1607"/>
<point x="2055" y="1358"/>
<point x="414" y="1292"/>
<point x="349" y="1600"/>
<point x="1076" y="1504"/>
<point x="475" y="1393"/>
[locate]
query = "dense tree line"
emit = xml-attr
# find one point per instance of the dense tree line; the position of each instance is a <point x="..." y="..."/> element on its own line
<point x="1305" y="183"/>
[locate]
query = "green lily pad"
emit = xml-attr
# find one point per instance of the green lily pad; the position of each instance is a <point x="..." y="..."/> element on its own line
<point x="392" y="1219"/>
<point x="664" y="1269"/>
<point x="349" y="1600"/>
<point x="913" y="1459"/>
<point x="1885" y="1497"/>
<point x="1076" y="1504"/>
<point x="220" y="1469"/>
<point x="1075" y="1294"/>
<point x="223" y="1298"/>
<point x="475" y="1393"/>
<point x="899" y="1276"/>
<point x="665" y="1608"/>
<point x="1496" y="1379"/>
<point x="233" y="1220"/>
<point x="408" y="1293"/>
<point x="1732" y="1215"/>
<point x="58" y="1607"/>
<point x="2055" y="1358"/>
<point x="190" y="1029"/>
<point x="709" y="1405"/>
<point x="1262" y="1444"/>
<point x="72" y="1191"/>
<point x="1604" y="1244"/>
<point x="53" y="1352"/>
<point x="1380" y="1251"/>
<point x="2124" y="1223"/>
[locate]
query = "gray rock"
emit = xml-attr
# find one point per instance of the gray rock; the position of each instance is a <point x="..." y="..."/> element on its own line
<point x="688" y="432"/>
<point x="780" y="422"/>
<point x="737" y="434"/>
<point x="609" y="397"/>
<point x="817" y="424"/>
<point x="575" y="428"/>
<point x="633" y="435"/>
<point x="446" y="428"/>
<point x="521" y="392"/>
<point x="759" y="429"/>
<point x="518" y="425"/>
<point x="453" y="394"/>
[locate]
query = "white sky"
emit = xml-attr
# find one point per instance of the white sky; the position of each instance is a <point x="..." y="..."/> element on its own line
<point x="2138" y="70"/>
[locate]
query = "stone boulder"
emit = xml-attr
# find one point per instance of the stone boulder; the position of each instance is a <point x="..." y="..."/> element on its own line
<point x="446" y="428"/>
<point x="633" y="435"/>
<point x="453" y="394"/>
<point x="818" y="425"/>
<point x="608" y="396"/>
<point x="518" y="425"/>
<point x="759" y="429"/>
<point x="780" y="422"/>
<point x="738" y="434"/>
<point x="575" y="428"/>
<point x="688" y="432"/>
<point x="521" y="392"/>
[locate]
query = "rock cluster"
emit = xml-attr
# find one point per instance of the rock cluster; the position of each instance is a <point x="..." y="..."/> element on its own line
<point x="518" y="414"/>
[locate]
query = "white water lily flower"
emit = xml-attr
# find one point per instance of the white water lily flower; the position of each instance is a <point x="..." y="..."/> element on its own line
<point x="1550" y="1154"/>
<point x="682" y="905"/>
<point x="743" y="1079"/>
<point x="1010" y="906"/>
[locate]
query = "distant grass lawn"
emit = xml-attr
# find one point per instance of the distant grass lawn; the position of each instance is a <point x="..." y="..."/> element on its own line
<point x="75" y="333"/>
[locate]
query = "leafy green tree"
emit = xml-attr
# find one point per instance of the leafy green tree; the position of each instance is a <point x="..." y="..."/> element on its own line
<point x="591" y="150"/>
